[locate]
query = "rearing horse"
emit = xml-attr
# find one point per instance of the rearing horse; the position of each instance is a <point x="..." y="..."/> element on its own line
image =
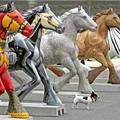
<point x="11" y="20"/>
<point x="32" y="65"/>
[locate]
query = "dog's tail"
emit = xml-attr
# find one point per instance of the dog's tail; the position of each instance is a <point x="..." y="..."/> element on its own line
<point x="74" y="101"/>
<point x="76" y="94"/>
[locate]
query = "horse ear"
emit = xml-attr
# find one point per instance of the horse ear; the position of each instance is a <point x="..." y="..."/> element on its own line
<point x="9" y="6"/>
<point x="44" y="7"/>
<point x="59" y="17"/>
<point x="79" y="8"/>
<point x="47" y="7"/>
<point x="110" y="10"/>
<point x="12" y="4"/>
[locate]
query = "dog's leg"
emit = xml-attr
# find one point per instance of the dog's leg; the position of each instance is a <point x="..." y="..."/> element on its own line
<point x="74" y="105"/>
<point x="88" y="106"/>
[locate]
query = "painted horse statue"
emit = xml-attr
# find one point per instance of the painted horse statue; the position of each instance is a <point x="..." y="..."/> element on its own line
<point x="74" y="20"/>
<point x="114" y="42"/>
<point x="98" y="44"/>
<point x="11" y="20"/>
<point x="61" y="48"/>
<point x="31" y="54"/>
<point x="100" y="47"/>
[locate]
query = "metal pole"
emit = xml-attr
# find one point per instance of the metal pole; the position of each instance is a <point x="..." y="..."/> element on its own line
<point x="89" y="2"/>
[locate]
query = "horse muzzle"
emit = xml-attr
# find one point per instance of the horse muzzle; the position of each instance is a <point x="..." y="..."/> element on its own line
<point x="94" y="28"/>
<point x="60" y="29"/>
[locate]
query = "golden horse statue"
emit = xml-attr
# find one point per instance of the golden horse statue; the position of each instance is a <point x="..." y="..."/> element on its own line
<point x="94" y="45"/>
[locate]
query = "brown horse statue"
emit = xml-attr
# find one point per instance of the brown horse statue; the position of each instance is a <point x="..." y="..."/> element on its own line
<point x="94" y="45"/>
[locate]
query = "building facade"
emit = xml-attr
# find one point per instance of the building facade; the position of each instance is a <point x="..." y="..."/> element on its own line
<point x="60" y="6"/>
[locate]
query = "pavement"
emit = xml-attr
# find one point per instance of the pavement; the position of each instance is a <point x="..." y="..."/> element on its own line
<point x="107" y="107"/>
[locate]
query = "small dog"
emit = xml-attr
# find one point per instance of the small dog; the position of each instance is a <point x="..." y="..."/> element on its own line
<point x="84" y="99"/>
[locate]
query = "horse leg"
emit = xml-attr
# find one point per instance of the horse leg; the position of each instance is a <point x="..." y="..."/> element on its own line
<point x="50" y="97"/>
<point x="113" y="77"/>
<point x="94" y="73"/>
<point x="19" y="40"/>
<point x="84" y="85"/>
<point x="68" y="63"/>
<point x="24" y="89"/>
<point x="17" y="77"/>
<point x="56" y="70"/>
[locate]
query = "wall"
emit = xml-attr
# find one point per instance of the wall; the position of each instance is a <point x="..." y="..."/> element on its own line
<point x="60" y="6"/>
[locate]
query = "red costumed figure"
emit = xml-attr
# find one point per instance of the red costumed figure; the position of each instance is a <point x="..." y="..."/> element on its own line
<point x="11" y="20"/>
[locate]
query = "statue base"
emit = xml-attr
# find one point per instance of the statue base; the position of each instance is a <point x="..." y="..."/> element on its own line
<point x="38" y="109"/>
<point x="8" y="117"/>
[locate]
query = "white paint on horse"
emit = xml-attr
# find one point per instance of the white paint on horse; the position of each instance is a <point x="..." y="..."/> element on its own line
<point x="114" y="42"/>
<point x="62" y="48"/>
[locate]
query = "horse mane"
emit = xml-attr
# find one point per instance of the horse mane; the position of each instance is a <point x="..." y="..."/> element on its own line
<point x="118" y="15"/>
<point x="103" y="12"/>
<point x="71" y="11"/>
<point x="29" y="15"/>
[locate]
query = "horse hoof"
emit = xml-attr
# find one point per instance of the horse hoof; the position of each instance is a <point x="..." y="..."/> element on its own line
<point x="90" y="81"/>
<point x="54" y="88"/>
<point x="113" y="82"/>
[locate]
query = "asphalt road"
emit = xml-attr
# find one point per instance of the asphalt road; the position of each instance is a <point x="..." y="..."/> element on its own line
<point x="107" y="106"/>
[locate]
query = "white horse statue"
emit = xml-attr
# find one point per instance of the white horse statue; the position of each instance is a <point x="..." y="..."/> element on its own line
<point x="61" y="48"/>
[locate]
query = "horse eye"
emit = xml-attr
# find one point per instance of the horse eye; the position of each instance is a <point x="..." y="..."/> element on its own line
<point x="115" y="17"/>
<point x="50" y="17"/>
<point x="84" y="17"/>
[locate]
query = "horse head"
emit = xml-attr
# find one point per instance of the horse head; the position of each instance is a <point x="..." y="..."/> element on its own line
<point x="82" y="20"/>
<point x="109" y="17"/>
<point x="112" y="19"/>
<point x="48" y="20"/>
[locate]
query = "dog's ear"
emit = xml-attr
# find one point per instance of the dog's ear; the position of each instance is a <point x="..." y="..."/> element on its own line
<point x="92" y="94"/>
